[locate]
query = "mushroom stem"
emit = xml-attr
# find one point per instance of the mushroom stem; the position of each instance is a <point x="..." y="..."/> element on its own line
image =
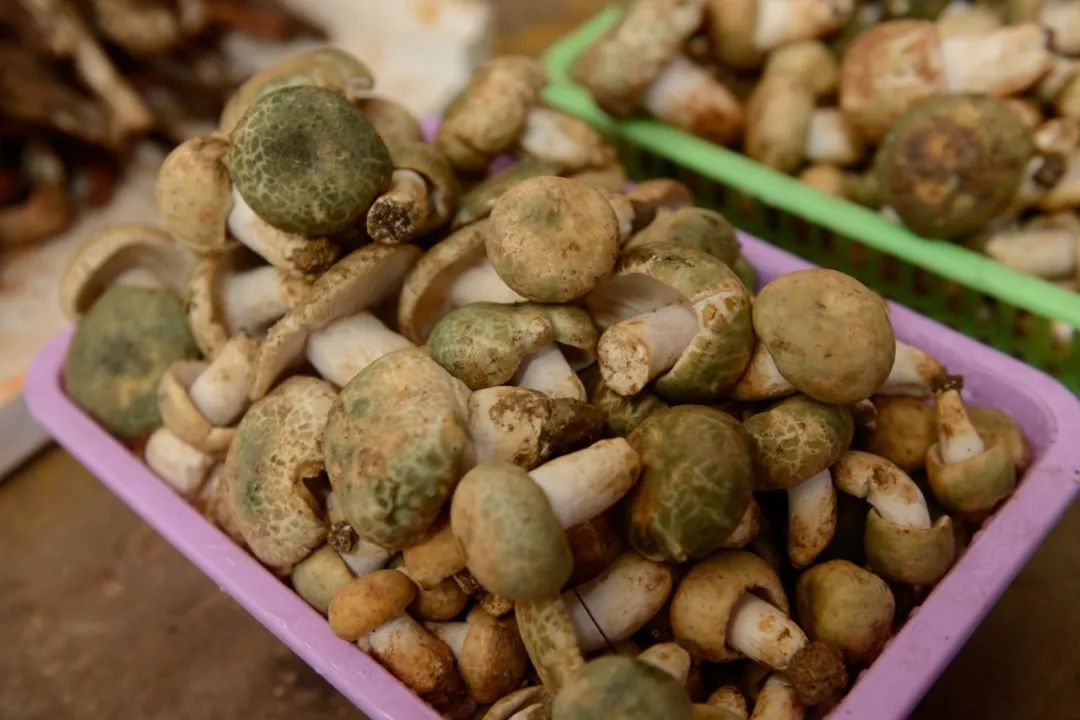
<point x="1048" y="253"/>
<point x="1001" y="62"/>
<point x="687" y="96"/>
<point x="913" y="372"/>
<point x="958" y="440"/>
<point x="811" y="518"/>
<point x="183" y="467"/>
<point x="581" y="485"/>
<point x="291" y="253"/>
<point x="562" y="139"/>
<point x="764" y="633"/>
<point x="634" y="352"/>
<point x="762" y="380"/>
<point x="414" y="655"/>
<point x="451" y="633"/>
<point x="481" y="283"/>
<point x="547" y="371"/>
<point x="777" y="701"/>
<point x="345" y="347"/>
<point x="831" y="138"/>
<point x="253" y="299"/>
<point x="221" y="391"/>
<point x="403" y="211"/>
<point x="886" y="487"/>
<point x="365" y="557"/>
<point x="748" y="527"/>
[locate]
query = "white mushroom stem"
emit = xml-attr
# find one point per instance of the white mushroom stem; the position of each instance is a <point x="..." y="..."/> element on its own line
<point x="253" y="299"/>
<point x="764" y="633"/>
<point x="183" y="467"/>
<point x="221" y="391"/>
<point x="481" y="283"/>
<point x="670" y="657"/>
<point x="777" y="701"/>
<point x="634" y="352"/>
<point x="451" y="633"/>
<point x="780" y="22"/>
<point x="273" y="245"/>
<point x="547" y="371"/>
<point x="1002" y="62"/>
<point x="762" y="380"/>
<point x="1043" y="252"/>
<point x="958" y="440"/>
<point x="831" y="138"/>
<point x="886" y="487"/>
<point x="913" y="372"/>
<point x="628" y="296"/>
<point x="581" y="485"/>
<point x="345" y="347"/>
<point x="748" y="527"/>
<point x="686" y="95"/>
<point x="1062" y="18"/>
<point x="402" y="212"/>
<point x="560" y="138"/>
<point x="811" y="518"/>
<point x="498" y="433"/>
<point x="399" y="637"/>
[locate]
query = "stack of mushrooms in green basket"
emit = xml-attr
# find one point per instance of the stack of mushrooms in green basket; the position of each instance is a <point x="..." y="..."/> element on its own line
<point x="960" y="119"/>
<point x="534" y="439"/>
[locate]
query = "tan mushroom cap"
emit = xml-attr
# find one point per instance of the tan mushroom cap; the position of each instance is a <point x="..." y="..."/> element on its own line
<point x="106" y="255"/>
<point x="996" y="426"/>
<point x="552" y="239"/>
<point x="846" y="606"/>
<point x="477" y="202"/>
<point x="180" y="415"/>
<point x="364" y="278"/>
<point x="369" y="601"/>
<point x="441" y="602"/>
<point x="435" y="557"/>
<point x="903" y="431"/>
<point x="703" y="602"/>
<point x="492" y="660"/>
<point x="391" y="120"/>
<point x="194" y="195"/>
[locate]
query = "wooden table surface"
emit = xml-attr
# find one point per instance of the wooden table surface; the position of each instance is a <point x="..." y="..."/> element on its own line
<point x="101" y="619"/>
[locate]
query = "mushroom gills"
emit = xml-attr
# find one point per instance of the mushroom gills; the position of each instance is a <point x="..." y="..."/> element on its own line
<point x="548" y="371"/>
<point x="479" y="282"/>
<point x="811" y="518"/>
<point x="886" y="487"/>
<point x="345" y="347"/>
<point x="636" y="351"/>
<point x="183" y="467"/>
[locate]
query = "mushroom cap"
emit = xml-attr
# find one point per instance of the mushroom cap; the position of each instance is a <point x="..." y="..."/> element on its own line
<point x="621" y="687"/>
<point x="478" y="201"/>
<point x="829" y="335"/>
<point x="425" y="294"/>
<point x="746" y="272"/>
<point x="917" y="556"/>
<point x="619" y="67"/>
<point x="810" y="61"/>
<point x="904" y="429"/>
<point x="699" y="228"/>
<point x="318" y="577"/>
<point x="998" y="426"/>
<point x="702" y="605"/>
<point x="732" y="26"/>
<point x="182" y="417"/>
<point x="395" y="446"/>
<point x="441" y="602"/>
<point x="886" y="70"/>
<point x="553" y="238"/>
<point x="278" y="445"/>
<point x="975" y="485"/>
<point x="482" y="344"/>
<point x="120" y="350"/>
<point x="436" y="556"/>
<point x="623" y="413"/>
<point x="492" y="659"/>
<point x="658" y="195"/>
<point x="193" y="193"/>
<point x="846" y="606"/>
<point x="951" y="164"/>
<point x="796" y="439"/>
<point x="393" y="121"/>
<point x="369" y="601"/>
<point x="429" y="162"/>
<point x="695" y="482"/>
<point x="307" y="161"/>
<point x="594" y="544"/>
<point x="327" y="67"/>
<point x="778" y="122"/>
<point x="110" y="252"/>
<point x="513" y="541"/>
<point x="489" y="115"/>
<point x="364" y="278"/>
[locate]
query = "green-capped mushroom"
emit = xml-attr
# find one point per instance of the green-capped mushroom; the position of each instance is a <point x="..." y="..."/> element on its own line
<point x="699" y="228"/>
<point x="477" y="202"/>
<point x="846" y="606"/>
<point x="318" y="577"/>
<point x="622" y="413"/>
<point x="624" y="688"/>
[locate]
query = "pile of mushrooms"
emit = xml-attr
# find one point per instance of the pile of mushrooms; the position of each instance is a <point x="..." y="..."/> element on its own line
<point x="960" y="119"/>
<point x="559" y="457"/>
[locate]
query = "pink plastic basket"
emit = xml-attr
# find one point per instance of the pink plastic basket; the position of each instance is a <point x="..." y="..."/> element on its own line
<point x="886" y="691"/>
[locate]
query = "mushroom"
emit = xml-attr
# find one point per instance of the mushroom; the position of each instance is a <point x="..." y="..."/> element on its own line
<point x="319" y="577"/>
<point x="961" y="19"/>
<point x="997" y="427"/>
<point x="675" y="315"/>
<point x="695" y="484"/>
<point x="903" y="431"/>
<point x="194" y="195"/>
<point x="900" y="542"/>
<point x="828" y="334"/>
<point x="622" y="413"/>
<point x="391" y="120"/>
<point x="499" y="110"/>
<point x="1046" y="252"/>
<point x="521" y="700"/>
<point x="744" y="31"/>
<point x="638" y="63"/>
<point x="939" y="190"/>
<point x="893" y="65"/>
<point x="1062" y="19"/>
<point x="395" y="445"/>
<point x="514" y="543"/>
<point x="306" y="161"/>
<point x="670" y="657"/>
<point x="846" y="606"/>
<point x="422" y="194"/>
<point x="278" y="446"/>
<point x="180" y="465"/>
<point x="622" y="687"/>
<point x="333" y="326"/>
<point x="122" y="346"/>
<point x="732" y="604"/>
<point x="777" y="700"/>
<point x="731" y="699"/>
<point x="476" y="203"/>
<point x="435" y="557"/>
<point x="698" y="228"/>
<point x="490" y="655"/>
<point x="441" y="602"/>
<point x="966" y="474"/>
<point x="793" y="444"/>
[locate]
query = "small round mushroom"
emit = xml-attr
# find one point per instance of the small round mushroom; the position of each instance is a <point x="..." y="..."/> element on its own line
<point x="490" y="655"/>
<point x="732" y="604"/>
<point x="422" y="195"/>
<point x="319" y="577"/>
<point x="435" y="557"/>
<point x="744" y="31"/>
<point x="828" y="334"/>
<point x="622" y="687"/>
<point x="194" y="195"/>
<point x="731" y="699"/>
<point x="122" y="346"/>
<point x="901" y="544"/>
<point x="333" y="326"/>
<point x="441" y="602"/>
<point x="846" y="606"/>
<point x="695" y="485"/>
<point x="476" y="203"/>
<point x="903" y="431"/>
<point x="278" y="445"/>
<point x="966" y="474"/>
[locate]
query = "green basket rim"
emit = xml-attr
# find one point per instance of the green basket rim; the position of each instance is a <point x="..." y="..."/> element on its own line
<point x="738" y="171"/>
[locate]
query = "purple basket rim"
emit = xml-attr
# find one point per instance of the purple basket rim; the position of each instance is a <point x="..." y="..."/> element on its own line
<point x="888" y="690"/>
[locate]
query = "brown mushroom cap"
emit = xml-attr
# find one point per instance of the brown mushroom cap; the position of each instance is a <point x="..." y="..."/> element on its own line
<point x="391" y="120"/>
<point x="369" y="601"/>
<point x="436" y="556"/>
<point x="492" y="660"/>
<point x="193" y="193"/>
<point x="846" y="606"/>
<point x="441" y="602"/>
<point x="553" y="238"/>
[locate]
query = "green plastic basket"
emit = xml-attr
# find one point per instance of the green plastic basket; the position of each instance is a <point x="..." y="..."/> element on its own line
<point x="972" y="293"/>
